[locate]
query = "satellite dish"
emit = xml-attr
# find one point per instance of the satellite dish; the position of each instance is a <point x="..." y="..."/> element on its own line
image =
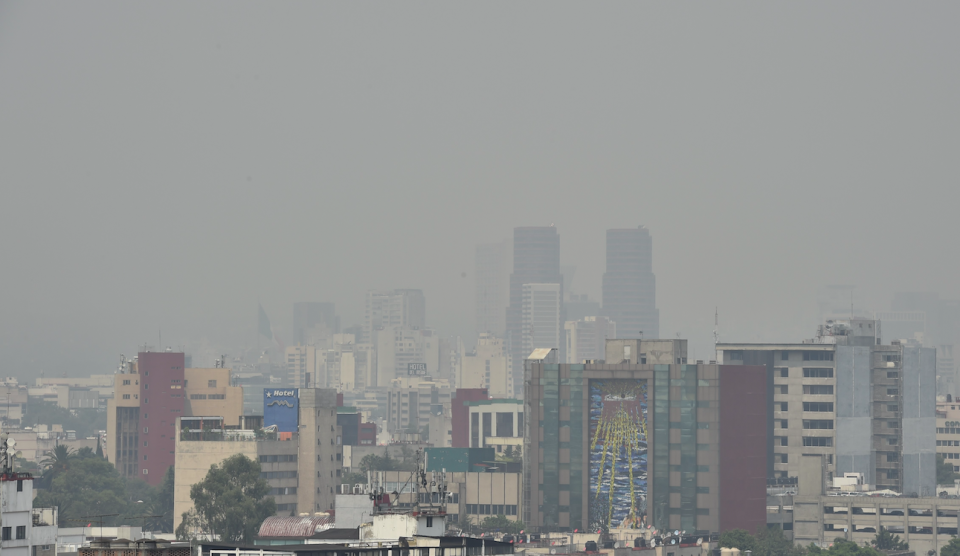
<point x="677" y="532"/>
<point x="11" y="443"/>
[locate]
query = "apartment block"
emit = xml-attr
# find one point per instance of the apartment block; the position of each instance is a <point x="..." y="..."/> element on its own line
<point x="496" y="423"/>
<point x="487" y="367"/>
<point x="393" y="308"/>
<point x="866" y="408"/>
<point x="404" y="351"/>
<point x="150" y="394"/>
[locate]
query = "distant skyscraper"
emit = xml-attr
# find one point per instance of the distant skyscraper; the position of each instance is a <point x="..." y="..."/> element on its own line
<point x="312" y="321"/>
<point x="541" y="326"/>
<point x="393" y="308"/>
<point x="587" y="338"/>
<point x="490" y="274"/>
<point x="536" y="260"/>
<point x="629" y="285"/>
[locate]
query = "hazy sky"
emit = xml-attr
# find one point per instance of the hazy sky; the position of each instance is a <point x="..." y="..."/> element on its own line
<point x="169" y="165"/>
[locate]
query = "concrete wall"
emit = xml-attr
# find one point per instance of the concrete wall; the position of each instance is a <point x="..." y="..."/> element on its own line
<point x="353" y="509"/>
<point x="193" y="461"/>
<point x="853" y="413"/>
<point x="919" y="421"/>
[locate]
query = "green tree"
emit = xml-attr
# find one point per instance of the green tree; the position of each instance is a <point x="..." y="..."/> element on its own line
<point x="738" y="538"/>
<point x="770" y="541"/>
<point x="231" y="502"/>
<point x="952" y="548"/>
<point x="945" y="473"/>
<point x="843" y="547"/>
<point x="885" y="540"/>
<point x="501" y="523"/>
<point x="354" y="478"/>
<point x="85" y="487"/>
<point x="86" y="422"/>
<point x="165" y="501"/>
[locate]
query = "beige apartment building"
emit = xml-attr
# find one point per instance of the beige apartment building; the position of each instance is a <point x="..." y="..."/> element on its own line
<point x="487" y="367"/>
<point x="948" y="433"/>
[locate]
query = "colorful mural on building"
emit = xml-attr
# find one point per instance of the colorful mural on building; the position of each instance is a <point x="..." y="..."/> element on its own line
<point x="618" y="453"/>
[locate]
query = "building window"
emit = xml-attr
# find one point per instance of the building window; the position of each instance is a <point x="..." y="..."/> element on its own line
<point x="817" y="441"/>
<point x="817" y="372"/>
<point x="818" y="424"/>
<point x="6" y="534"/>
<point x="211" y="384"/>
<point x="126" y="383"/>
<point x="784" y="356"/>
<point x="784" y="373"/>
<point x="126" y="396"/>
<point x="429" y="521"/>
<point x="818" y="389"/>
<point x="818" y="356"/>
<point x="19" y="485"/>
<point x="823" y="407"/>
<point x="21" y="532"/>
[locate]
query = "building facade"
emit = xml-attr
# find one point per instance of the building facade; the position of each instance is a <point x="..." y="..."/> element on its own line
<point x="487" y="367"/>
<point x="24" y="530"/>
<point x="867" y="408"/>
<point x="587" y="337"/>
<point x="674" y="446"/>
<point x="541" y="318"/>
<point x="629" y="285"/>
<point x="490" y="276"/>
<point x="313" y="322"/>
<point x="393" y="308"/>
<point x="150" y="394"/>
<point x="536" y="260"/>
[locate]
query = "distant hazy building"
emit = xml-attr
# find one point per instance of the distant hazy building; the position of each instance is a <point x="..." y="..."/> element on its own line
<point x="867" y="408"/>
<point x="314" y="322"/>
<point x="487" y="367"/>
<point x="347" y="365"/>
<point x="536" y="260"/>
<point x="586" y="338"/>
<point x="304" y="364"/>
<point x="393" y="308"/>
<point x="629" y="285"/>
<point x="542" y="324"/>
<point x="578" y="306"/>
<point x="404" y="351"/>
<point x="490" y="276"/>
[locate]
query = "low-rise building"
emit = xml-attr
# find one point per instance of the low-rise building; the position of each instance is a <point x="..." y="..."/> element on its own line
<point x="24" y="530"/>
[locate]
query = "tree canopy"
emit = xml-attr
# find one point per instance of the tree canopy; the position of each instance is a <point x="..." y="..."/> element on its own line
<point x="502" y="524"/>
<point x="87" y="422"/>
<point x="952" y="548"/>
<point x="230" y="502"/>
<point x="843" y="547"/>
<point x="945" y="473"/>
<point x="885" y="540"/>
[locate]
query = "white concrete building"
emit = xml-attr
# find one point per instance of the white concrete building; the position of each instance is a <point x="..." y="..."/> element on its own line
<point x="404" y="351"/>
<point x="24" y="530"/>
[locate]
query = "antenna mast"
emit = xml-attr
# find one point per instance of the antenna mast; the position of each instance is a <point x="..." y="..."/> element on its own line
<point x="716" y="326"/>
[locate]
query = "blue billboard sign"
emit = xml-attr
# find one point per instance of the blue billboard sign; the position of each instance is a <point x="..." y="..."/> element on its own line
<point x="281" y="408"/>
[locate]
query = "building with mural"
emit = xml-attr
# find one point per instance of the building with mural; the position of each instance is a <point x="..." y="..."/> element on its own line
<point x="630" y="445"/>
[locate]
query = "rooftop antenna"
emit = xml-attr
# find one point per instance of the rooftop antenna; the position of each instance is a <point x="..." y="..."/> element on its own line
<point x="716" y="326"/>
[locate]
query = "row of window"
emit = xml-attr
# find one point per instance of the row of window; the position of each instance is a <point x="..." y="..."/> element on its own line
<point x="948" y="430"/>
<point x="948" y="442"/>
<point x="951" y="456"/>
<point x="21" y="532"/>
<point x="824" y="407"/>
<point x="283" y="458"/>
<point x="491" y="509"/>
<point x="281" y="491"/>
<point x="208" y="396"/>
<point x="817" y="372"/>
<point x="817" y="441"/>
<point x="817" y="424"/>
<point x="278" y="475"/>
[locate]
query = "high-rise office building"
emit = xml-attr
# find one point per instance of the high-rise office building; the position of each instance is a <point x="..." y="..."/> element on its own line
<point x="313" y="322"/>
<point x="536" y="260"/>
<point x="866" y="408"/>
<point x="663" y="444"/>
<point x="629" y="285"/>
<point x="541" y="324"/>
<point x="393" y="308"/>
<point x="490" y="276"/>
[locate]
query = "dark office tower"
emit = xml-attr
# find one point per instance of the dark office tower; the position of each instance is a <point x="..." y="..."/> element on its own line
<point x="536" y="260"/>
<point x="312" y="320"/>
<point x="629" y="286"/>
